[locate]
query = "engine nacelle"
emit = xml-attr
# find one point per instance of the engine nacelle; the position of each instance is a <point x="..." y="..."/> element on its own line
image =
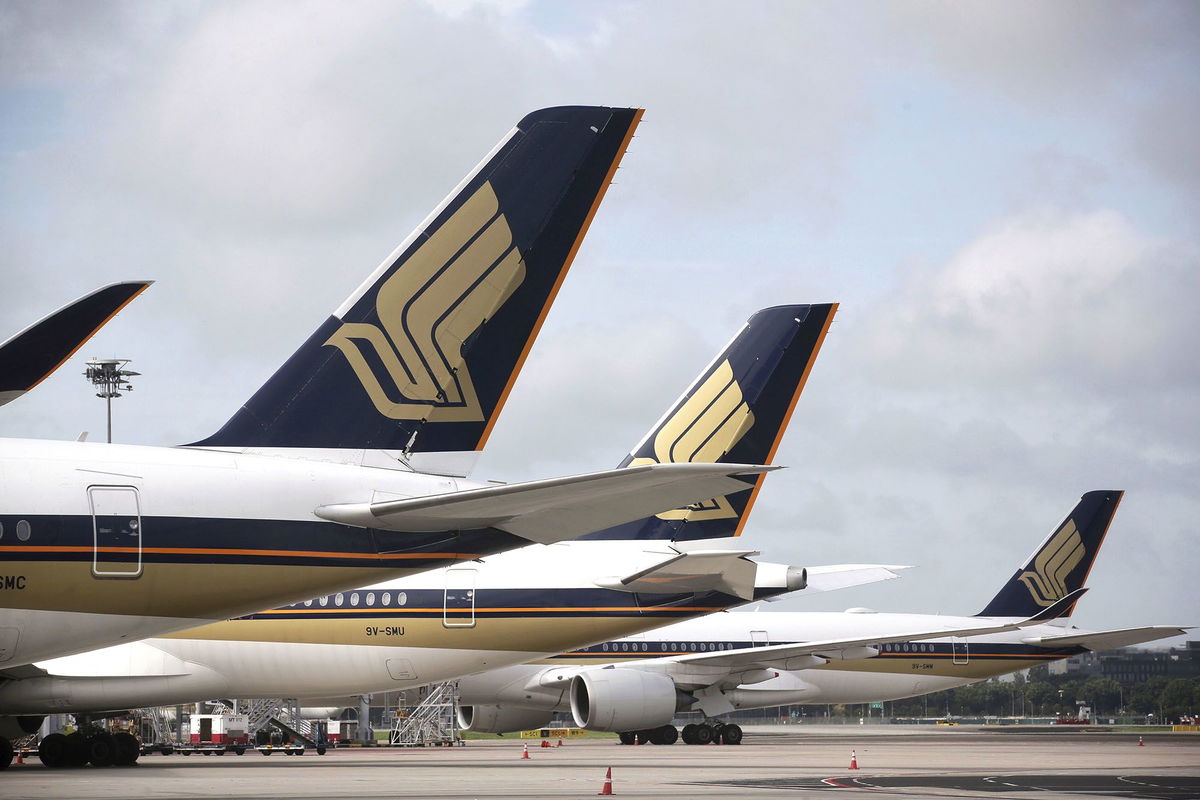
<point x="501" y="719"/>
<point x="16" y="727"/>
<point x="622" y="699"/>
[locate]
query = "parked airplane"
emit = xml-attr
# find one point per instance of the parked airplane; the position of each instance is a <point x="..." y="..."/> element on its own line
<point x="504" y="609"/>
<point x="29" y="357"/>
<point x="636" y="685"/>
<point x="375" y="416"/>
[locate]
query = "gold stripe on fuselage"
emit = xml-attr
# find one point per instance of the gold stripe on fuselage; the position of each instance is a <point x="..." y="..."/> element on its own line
<point x="178" y="590"/>
<point x="529" y="634"/>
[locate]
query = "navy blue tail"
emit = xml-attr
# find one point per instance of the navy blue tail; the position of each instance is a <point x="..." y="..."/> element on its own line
<point x="423" y="355"/>
<point x="735" y="412"/>
<point x="30" y="356"/>
<point x="1061" y="564"/>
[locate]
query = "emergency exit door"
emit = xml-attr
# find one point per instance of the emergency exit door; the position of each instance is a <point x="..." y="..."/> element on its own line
<point x="116" y="532"/>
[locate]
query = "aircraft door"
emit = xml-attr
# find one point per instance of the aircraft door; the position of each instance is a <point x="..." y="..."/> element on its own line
<point x="961" y="650"/>
<point x="459" y="609"/>
<point x="116" y="532"/>
<point x="759" y="639"/>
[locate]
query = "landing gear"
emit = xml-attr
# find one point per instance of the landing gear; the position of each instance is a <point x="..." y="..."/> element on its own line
<point x="664" y="734"/>
<point x="6" y="753"/>
<point x="96" y="746"/>
<point x="731" y="734"/>
<point x="698" y="734"/>
<point x="52" y="751"/>
<point x="128" y="749"/>
<point x="100" y="748"/>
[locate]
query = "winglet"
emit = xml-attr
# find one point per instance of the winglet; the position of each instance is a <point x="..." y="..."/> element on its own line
<point x="32" y="355"/>
<point x="1060" y="608"/>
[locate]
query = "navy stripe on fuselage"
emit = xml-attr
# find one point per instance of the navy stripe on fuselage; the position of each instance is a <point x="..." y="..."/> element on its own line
<point x="936" y="650"/>
<point x="202" y="540"/>
<point x="400" y="604"/>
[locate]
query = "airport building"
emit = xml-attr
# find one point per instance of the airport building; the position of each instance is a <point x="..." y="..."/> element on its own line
<point x="1133" y="665"/>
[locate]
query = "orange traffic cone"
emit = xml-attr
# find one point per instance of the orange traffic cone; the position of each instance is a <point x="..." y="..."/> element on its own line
<point x="20" y="757"/>
<point x="545" y="743"/>
<point x="853" y="760"/>
<point x="1140" y="742"/>
<point x="525" y="750"/>
<point x="607" y="783"/>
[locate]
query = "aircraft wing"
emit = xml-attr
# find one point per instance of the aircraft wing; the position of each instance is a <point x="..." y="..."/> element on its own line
<point x="556" y="509"/>
<point x="809" y="654"/>
<point x="29" y="357"/>
<point x="831" y="577"/>
<point x="1109" y="640"/>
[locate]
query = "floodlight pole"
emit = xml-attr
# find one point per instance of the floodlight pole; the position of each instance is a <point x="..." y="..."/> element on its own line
<point x="111" y="378"/>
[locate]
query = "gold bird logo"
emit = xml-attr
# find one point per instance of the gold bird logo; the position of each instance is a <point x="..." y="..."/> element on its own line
<point x="1047" y="580"/>
<point x="457" y="280"/>
<point x="706" y="427"/>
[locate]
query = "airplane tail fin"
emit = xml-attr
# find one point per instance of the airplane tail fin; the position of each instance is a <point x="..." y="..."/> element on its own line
<point x="420" y="359"/>
<point x="735" y="412"/>
<point x="1061" y="563"/>
<point x="29" y="357"/>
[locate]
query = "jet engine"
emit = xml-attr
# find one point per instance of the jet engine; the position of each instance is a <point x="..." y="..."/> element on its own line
<point x="16" y="727"/>
<point x="501" y="719"/>
<point x="624" y="699"/>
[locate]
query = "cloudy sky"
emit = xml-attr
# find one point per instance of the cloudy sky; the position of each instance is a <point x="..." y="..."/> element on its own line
<point x="1003" y="197"/>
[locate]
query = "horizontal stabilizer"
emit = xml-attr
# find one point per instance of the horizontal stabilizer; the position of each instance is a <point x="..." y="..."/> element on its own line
<point x="29" y="357"/>
<point x="697" y="571"/>
<point x="556" y="509"/>
<point x="1109" y="640"/>
<point x="808" y="654"/>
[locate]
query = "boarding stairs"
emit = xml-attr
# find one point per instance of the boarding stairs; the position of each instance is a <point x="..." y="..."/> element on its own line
<point x="433" y="721"/>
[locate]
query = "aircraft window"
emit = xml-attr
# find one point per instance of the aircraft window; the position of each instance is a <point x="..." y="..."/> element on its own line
<point x="604" y="647"/>
<point x="625" y="647"/>
<point x="703" y="646"/>
<point x="386" y="599"/>
<point x="402" y="598"/>
<point x="23" y="530"/>
<point x="693" y="647"/>
<point x="324" y="601"/>
<point x="370" y="598"/>
<point x="338" y="598"/>
<point x="645" y="647"/>
<point x="354" y="599"/>
<point x="308" y="603"/>
<point x="1" y="530"/>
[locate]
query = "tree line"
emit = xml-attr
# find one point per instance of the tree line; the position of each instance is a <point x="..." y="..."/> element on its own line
<point x="1044" y="695"/>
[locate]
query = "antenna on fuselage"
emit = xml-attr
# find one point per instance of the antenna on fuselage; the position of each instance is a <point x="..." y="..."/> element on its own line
<point x="111" y="378"/>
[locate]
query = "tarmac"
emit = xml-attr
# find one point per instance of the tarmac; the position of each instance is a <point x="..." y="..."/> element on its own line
<point x="773" y="761"/>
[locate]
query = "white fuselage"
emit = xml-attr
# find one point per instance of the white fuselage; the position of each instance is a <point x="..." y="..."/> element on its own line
<point x="900" y="670"/>
<point x="101" y="543"/>
<point x="511" y="608"/>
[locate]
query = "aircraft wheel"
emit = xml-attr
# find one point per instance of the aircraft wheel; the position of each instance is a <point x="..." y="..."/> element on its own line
<point x="703" y="734"/>
<point x="128" y="749"/>
<point x="664" y="734"/>
<point x="52" y="751"/>
<point x="6" y="753"/>
<point x="77" y="750"/>
<point x="689" y="733"/>
<point x="626" y="737"/>
<point x="731" y="734"/>
<point x="320" y="749"/>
